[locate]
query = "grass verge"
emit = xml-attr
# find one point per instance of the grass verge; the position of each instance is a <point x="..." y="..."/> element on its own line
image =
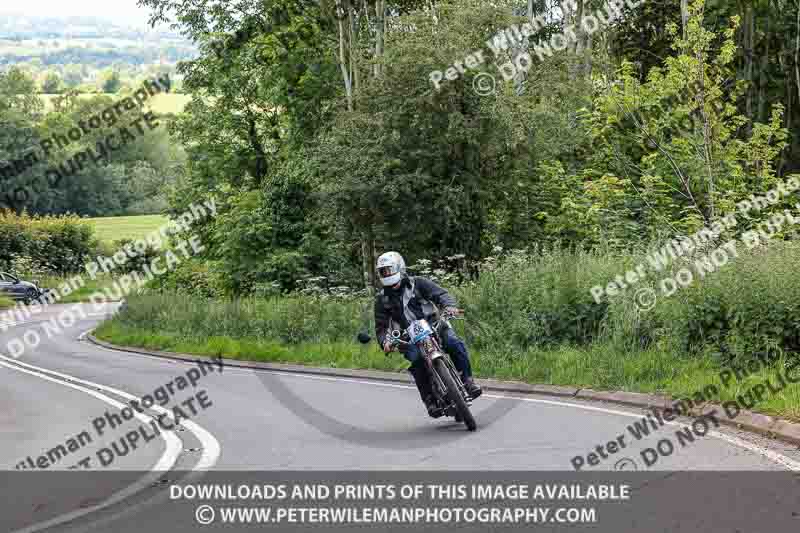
<point x="82" y="293"/>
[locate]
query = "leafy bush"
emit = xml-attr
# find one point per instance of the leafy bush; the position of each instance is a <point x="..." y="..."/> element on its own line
<point x="28" y="268"/>
<point x="143" y="257"/>
<point x="193" y="277"/>
<point x="59" y="244"/>
<point x="749" y="306"/>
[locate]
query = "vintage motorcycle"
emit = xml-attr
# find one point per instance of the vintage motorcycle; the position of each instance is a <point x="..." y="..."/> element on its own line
<point x="448" y="390"/>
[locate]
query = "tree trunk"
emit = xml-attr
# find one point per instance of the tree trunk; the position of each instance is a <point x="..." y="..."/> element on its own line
<point x="749" y="39"/>
<point x="368" y="259"/>
<point x="789" y="118"/>
<point x="707" y="137"/>
<point x="707" y="147"/>
<point x="380" y="11"/>
<point x="587" y="54"/>
<point x="763" y="78"/>
<point x="348" y="87"/>
<point x="797" y="53"/>
<point x="785" y="63"/>
<point x="578" y="45"/>
<point x="354" y="75"/>
<point x="566" y="14"/>
<point x="685" y="17"/>
<point x="365" y="263"/>
<point x="373" y="258"/>
<point x="260" y="167"/>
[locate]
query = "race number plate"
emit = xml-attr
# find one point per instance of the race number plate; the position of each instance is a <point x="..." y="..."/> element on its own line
<point x="419" y="330"/>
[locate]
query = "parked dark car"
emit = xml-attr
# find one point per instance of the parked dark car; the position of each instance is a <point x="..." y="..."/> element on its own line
<point x="16" y="289"/>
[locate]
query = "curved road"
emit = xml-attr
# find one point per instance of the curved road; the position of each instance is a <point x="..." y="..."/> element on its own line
<point x="65" y="387"/>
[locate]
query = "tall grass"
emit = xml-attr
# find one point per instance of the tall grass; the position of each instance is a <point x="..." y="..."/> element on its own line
<point x="291" y="320"/>
<point x="81" y="294"/>
<point x="750" y="305"/>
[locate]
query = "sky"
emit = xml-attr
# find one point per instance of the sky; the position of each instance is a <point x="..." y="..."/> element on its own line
<point x="118" y="11"/>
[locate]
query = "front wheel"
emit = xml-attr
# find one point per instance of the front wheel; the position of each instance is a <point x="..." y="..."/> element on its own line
<point x="453" y="392"/>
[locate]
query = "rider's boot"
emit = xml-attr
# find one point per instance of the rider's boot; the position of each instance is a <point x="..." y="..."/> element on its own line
<point x="420" y="376"/>
<point x="473" y="389"/>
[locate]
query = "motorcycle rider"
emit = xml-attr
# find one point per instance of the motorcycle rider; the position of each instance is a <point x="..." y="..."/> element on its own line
<point x="404" y="299"/>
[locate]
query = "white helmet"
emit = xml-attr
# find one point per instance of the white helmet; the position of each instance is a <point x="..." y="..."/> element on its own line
<point x="391" y="268"/>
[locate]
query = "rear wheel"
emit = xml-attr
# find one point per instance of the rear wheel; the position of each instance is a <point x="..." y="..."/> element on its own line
<point x="462" y="409"/>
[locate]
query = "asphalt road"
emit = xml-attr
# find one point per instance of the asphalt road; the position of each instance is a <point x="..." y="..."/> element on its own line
<point x="242" y="420"/>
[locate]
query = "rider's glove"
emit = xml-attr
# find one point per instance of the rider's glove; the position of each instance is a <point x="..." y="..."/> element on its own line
<point x="388" y="346"/>
<point x="451" y="311"/>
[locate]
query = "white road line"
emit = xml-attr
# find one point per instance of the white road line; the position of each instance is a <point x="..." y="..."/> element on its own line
<point x="211" y="447"/>
<point x="167" y="461"/>
<point x="4" y="325"/>
<point x="172" y="442"/>
<point x="32" y="320"/>
<point x="777" y="458"/>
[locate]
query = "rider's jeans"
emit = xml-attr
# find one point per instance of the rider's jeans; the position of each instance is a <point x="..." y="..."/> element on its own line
<point x="454" y="347"/>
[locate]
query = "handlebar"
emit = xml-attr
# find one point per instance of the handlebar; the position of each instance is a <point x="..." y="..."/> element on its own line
<point x="395" y="335"/>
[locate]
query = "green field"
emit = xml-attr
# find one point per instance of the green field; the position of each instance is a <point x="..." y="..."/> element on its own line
<point x="160" y="103"/>
<point x="110" y="229"/>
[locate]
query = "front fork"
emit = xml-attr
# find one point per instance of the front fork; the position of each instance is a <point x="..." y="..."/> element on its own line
<point x="431" y="351"/>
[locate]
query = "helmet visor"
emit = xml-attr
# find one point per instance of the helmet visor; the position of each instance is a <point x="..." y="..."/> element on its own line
<point x="386" y="271"/>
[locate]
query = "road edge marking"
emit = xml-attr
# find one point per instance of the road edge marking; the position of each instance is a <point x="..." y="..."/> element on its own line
<point x="775" y="457"/>
<point x="165" y="463"/>
<point x="211" y="446"/>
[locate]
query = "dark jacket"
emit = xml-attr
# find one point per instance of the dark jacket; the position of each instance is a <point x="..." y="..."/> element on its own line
<point x="421" y="293"/>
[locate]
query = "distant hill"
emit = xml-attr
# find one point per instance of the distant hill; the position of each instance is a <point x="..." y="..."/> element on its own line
<point x="83" y="50"/>
<point x="89" y="41"/>
<point x="18" y="26"/>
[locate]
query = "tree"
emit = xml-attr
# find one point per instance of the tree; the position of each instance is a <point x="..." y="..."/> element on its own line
<point x="110" y="82"/>
<point x="73" y="75"/>
<point x="52" y="83"/>
<point x="19" y="110"/>
<point x="671" y="147"/>
<point x="316" y="126"/>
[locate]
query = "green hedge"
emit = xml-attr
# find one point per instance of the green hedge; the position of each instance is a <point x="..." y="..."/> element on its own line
<point x="62" y="243"/>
